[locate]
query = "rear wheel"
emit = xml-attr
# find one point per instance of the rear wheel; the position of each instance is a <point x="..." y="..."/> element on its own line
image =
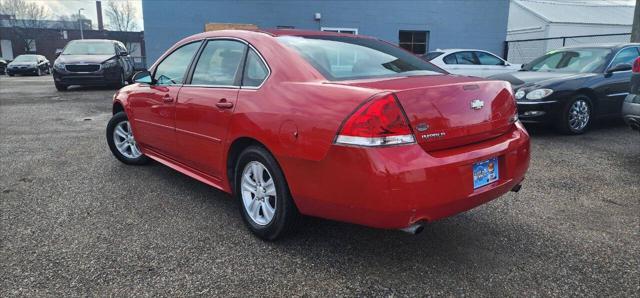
<point x="121" y="141"/>
<point x="576" y="116"/>
<point x="266" y="205"/>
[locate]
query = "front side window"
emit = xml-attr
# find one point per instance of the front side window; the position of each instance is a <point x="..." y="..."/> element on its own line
<point x="344" y="58"/>
<point x="219" y="63"/>
<point x="626" y="56"/>
<point x="173" y="68"/>
<point x="89" y="48"/>
<point x="488" y="59"/>
<point x="255" y="72"/>
<point x="416" y="42"/>
<point x="570" y="60"/>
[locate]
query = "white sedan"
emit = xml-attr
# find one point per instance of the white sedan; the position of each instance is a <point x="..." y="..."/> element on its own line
<point x="470" y="62"/>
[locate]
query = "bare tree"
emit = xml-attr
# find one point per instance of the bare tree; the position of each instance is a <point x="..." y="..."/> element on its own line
<point x="122" y="15"/>
<point x="25" y="15"/>
<point x="635" y="30"/>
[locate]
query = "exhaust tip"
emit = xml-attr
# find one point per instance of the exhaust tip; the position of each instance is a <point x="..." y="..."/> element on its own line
<point x="516" y="188"/>
<point x="414" y="229"/>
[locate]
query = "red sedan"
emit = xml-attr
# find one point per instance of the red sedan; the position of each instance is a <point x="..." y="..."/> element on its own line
<point x="337" y="126"/>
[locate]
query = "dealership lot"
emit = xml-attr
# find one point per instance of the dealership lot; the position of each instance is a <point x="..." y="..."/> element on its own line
<point x="75" y="221"/>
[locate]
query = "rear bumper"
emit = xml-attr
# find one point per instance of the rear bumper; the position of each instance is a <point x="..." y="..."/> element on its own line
<point x="631" y="112"/>
<point x="394" y="187"/>
<point x="538" y="112"/>
<point x="98" y="78"/>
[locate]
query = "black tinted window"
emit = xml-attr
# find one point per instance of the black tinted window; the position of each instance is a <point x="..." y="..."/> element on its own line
<point x="219" y="63"/>
<point x="342" y="58"/>
<point x="174" y="67"/>
<point x="254" y="71"/>
<point x="450" y="59"/>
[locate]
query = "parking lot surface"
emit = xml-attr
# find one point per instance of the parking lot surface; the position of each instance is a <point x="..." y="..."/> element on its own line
<point x="75" y="221"/>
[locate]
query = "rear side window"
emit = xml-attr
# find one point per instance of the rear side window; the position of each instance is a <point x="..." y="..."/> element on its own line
<point x="344" y="58"/>
<point x="219" y="63"/>
<point x="488" y="59"/>
<point x="255" y="72"/>
<point x="432" y="55"/>
<point x="466" y="58"/>
<point x="173" y="68"/>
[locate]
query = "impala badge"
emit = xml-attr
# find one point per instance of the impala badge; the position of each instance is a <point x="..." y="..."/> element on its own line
<point x="477" y="104"/>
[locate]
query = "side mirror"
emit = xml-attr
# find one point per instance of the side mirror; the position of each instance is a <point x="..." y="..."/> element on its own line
<point x="619" y="67"/>
<point x="143" y="77"/>
<point x="58" y="52"/>
<point x="123" y="53"/>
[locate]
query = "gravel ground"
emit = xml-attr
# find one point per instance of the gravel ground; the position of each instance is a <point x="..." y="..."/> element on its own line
<point x="76" y="222"/>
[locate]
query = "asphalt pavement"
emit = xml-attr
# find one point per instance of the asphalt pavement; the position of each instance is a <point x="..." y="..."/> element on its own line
<point x="75" y="222"/>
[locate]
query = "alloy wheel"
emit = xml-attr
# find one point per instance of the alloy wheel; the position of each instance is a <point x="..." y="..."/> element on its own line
<point x="579" y="115"/>
<point x="124" y="141"/>
<point x="258" y="192"/>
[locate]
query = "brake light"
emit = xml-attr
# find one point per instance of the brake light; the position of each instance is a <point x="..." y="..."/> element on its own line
<point x="378" y="122"/>
<point x="636" y="65"/>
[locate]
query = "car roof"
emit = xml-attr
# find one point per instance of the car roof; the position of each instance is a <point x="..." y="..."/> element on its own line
<point x="271" y="32"/>
<point x="86" y="40"/>
<point x="602" y="45"/>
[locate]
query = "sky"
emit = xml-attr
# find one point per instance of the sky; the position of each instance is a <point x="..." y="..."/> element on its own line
<point x="67" y="7"/>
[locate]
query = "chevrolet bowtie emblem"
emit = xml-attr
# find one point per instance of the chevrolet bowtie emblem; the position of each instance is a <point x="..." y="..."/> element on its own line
<point x="477" y="104"/>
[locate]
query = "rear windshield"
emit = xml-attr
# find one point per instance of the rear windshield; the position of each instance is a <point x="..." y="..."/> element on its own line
<point x="429" y="56"/>
<point x="89" y="48"/>
<point x="346" y="58"/>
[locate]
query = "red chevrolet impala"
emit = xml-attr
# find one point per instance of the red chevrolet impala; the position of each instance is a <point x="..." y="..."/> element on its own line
<point x="337" y="126"/>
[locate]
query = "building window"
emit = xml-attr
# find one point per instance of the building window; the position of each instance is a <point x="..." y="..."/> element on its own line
<point x="30" y="45"/>
<point x="340" y="30"/>
<point x="416" y="42"/>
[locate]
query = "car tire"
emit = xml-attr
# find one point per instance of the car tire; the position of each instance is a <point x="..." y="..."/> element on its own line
<point x="120" y="83"/>
<point x="266" y="205"/>
<point x="10" y="74"/>
<point x="38" y="71"/>
<point x="121" y="141"/>
<point x="576" y="117"/>
<point x="61" y="87"/>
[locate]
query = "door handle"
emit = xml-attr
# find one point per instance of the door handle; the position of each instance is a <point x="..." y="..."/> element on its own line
<point x="167" y="98"/>
<point x="224" y="104"/>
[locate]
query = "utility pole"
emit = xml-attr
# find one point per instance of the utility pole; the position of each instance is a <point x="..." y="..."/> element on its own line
<point x="80" y="22"/>
<point x="635" y="30"/>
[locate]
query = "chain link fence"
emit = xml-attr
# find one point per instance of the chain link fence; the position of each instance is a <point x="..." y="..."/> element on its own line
<point x="525" y="50"/>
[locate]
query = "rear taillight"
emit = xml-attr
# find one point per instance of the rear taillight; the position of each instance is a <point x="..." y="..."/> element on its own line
<point x="378" y="122"/>
<point x="636" y="65"/>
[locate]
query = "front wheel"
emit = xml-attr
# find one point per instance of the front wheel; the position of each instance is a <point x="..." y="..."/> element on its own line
<point x="61" y="87"/>
<point x="38" y="71"/>
<point x="576" y="116"/>
<point x="121" y="141"/>
<point x="266" y="205"/>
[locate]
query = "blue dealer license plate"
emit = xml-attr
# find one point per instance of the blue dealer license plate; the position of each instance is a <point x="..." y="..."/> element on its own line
<point x="485" y="172"/>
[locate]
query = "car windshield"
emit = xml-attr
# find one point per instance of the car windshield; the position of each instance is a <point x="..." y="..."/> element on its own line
<point x="26" y="58"/>
<point x="89" y="48"/>
<point x="345" y="58"/>
<point x="570" y="60"/>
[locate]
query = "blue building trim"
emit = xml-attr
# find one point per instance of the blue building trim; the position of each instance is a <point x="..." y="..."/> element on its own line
<point x="478" y="24"/>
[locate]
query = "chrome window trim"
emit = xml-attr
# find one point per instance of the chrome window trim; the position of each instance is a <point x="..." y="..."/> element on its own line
<point x="534" y="102"/>
<point x="250" y="46"/>
<point x="618" y="53"/>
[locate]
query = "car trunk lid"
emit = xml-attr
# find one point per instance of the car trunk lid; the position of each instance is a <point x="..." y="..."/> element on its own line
<point x="450" y="111"/>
